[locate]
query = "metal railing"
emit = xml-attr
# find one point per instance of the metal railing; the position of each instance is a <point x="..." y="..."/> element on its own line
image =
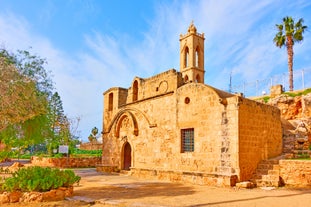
<point x="302" y="80"/>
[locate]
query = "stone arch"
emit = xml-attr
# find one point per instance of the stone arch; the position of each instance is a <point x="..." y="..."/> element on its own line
<point x="128" y="111"/>
<point x="133" y="123"/>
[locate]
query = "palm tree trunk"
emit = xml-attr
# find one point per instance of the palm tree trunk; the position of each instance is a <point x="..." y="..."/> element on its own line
<point x="290" y="53"/>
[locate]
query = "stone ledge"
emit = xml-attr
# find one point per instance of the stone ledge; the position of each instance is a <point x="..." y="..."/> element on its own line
<point x="200" y="178"/>
<point x="107" y="168"/>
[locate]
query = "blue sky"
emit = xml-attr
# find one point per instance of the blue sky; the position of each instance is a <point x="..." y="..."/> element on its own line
<point x="92" y="45"/>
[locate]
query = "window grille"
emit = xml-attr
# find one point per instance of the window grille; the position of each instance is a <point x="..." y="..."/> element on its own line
<point x="187" y="140"/>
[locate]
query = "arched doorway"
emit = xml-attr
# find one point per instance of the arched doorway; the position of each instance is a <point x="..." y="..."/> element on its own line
<point x="127" y="156"/>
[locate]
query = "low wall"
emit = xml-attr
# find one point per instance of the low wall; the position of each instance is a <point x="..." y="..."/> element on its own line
<point x="35" y="197"/>
<point x="186" y="177"/>
<point x="66" y="162"/>
<point x="91" y="146"/>
<point x="296" y="172"/>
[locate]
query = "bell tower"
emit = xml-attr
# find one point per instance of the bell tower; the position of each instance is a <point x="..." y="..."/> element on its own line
<point x="192" y="55"/>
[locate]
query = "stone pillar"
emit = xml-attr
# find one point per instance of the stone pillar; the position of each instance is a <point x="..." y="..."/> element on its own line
<point x="276" y="90"/>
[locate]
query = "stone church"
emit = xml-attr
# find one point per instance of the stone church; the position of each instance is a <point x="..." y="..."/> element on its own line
<point x="173" y="126"/>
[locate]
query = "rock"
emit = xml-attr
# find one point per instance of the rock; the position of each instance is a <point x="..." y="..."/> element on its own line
<point x="15" y="167"/>
<point x="14" y="196"/>
<point x="4" y="198"/>
<point x="268" y="188"/>
<point x="306" y="105"/>
<point x="32" y="197"/>
<point x="246" y="184"/>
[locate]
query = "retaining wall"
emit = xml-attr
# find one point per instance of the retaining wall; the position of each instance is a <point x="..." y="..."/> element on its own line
<point x="296" y="172"/>
<point x="65" y="162"/>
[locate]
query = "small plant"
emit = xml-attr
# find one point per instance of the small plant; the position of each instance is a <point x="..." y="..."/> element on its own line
<point x="266" y="99"/>
<point x="292" y="94"/>
<point x="39" y="179"/>
<point x="89" y="153"/>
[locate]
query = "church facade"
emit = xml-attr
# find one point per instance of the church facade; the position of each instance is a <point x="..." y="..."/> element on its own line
<point x="173" y="126"/>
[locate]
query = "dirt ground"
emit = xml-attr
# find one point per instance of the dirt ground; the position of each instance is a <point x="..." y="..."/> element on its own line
<point x="98" y="189"/>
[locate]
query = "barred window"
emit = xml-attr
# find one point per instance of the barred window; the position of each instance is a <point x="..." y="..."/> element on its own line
<point x="187" y="140"/>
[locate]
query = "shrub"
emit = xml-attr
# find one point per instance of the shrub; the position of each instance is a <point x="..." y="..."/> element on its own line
<point x="87" y="152"/>
<point x="39" y="179"/>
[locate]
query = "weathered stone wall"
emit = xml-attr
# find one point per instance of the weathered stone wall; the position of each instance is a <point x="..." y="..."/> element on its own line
<point x="155" y="85"/>
<point x="260" y="135"/>
<point x="154" y="125"/>
<point x="115" y="97"/>
<point x="65" y="162"/>
<point x="296" y="172"/>
<point x="213" y="128"/>
<point x="232" y="134"/>
<point x="186" y="177"/>
<point x="158" y="147"/>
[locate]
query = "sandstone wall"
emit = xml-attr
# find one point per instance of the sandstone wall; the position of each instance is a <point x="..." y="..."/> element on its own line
<point x="260" y="135"/>
<point x="156" y="85"/>
<point x="91" y="146"/>
<point x="64" y="162"/>
<point x="155" y="125"/>
<point x="296" y="172"/>
<point x="156" y="140"/>
<point x="113" y="99"/>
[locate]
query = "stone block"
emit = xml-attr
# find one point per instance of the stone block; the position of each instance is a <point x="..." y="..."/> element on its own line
<point x="15" y="196"/>
<point x="4" y="198"/>
<point x="246" y="184"/>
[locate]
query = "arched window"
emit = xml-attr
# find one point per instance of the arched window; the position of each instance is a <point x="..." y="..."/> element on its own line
<point x="197" y="79"/>
<point x="186" y="78"/>
<point x="135" y="90"/>
<point x="186" y="57"/>
<point x="197" y="57"/>
<point x="110" y="104"/>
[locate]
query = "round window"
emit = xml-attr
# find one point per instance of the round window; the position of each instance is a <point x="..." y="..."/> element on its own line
<point x="187" y="100"/>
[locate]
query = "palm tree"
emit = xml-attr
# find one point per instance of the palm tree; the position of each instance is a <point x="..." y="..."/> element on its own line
<point x="289" y="32"/>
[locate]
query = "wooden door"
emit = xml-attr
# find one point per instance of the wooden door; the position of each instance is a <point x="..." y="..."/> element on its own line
<point x="127" y="156"/>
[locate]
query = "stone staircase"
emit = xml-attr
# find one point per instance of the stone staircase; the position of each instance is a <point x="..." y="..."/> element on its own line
<point x="268" y="174"/>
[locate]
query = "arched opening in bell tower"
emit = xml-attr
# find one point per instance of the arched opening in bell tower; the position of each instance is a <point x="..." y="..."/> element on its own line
<point x="197" y="57"/>
<point x="186" y="62"/>
<point x="135" y="90"/>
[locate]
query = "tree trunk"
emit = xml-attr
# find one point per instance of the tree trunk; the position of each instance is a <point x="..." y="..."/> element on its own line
<point x="290" y="53"/>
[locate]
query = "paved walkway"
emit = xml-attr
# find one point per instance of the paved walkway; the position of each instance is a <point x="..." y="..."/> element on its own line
<point x="100" y="189"/>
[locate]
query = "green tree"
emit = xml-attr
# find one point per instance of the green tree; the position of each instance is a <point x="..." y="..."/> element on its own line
<point x="288" y="33"/>
<point x="24" y="96"/>
<point x="92" y="136"/>
<point x="19" y="98"/>
<point x="30" y="112"/>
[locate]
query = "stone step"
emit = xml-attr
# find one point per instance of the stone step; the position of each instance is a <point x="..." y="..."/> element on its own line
<point x="125" y="172"/>
<point x="266" y="183"/>
<point x="267" y="174"/>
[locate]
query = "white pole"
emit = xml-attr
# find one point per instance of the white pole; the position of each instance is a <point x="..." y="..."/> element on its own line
<point x="303" y="79"/>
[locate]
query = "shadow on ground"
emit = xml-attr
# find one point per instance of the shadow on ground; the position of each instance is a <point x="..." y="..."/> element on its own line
<point x="134" y="190"/>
